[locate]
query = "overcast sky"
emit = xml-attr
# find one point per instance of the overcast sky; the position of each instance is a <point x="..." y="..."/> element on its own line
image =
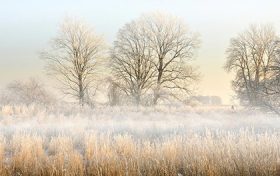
<point x="27" y="26"/>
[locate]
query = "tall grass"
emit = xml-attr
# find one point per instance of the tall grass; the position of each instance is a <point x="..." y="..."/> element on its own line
<point x="213" y="153"/>
<point x="138" y="142"/>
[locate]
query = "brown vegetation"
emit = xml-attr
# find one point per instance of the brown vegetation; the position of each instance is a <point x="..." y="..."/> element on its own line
<point x="213" y="153"/>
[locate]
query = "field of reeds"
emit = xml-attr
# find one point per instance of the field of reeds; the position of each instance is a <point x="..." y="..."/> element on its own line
<point x="138" y="141"/>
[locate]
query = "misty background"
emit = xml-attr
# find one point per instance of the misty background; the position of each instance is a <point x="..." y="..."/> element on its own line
<point x="27" y="27"/>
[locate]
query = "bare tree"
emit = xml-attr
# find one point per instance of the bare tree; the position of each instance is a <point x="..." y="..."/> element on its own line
<point x="173" y="45"/>
<point x="74" y="57"/>
<point x="153" y="52"/>
<point x="251" y="56"/>
<point x="271" y="85"/>
<point x="132" y="64"/>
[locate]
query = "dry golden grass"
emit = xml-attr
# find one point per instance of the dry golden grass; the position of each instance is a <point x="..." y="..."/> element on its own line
<point x="213" y="153"/>
<point x="126" y="141"/>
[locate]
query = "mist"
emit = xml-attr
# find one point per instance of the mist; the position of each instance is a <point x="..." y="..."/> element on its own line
<point x="139" y="88"/>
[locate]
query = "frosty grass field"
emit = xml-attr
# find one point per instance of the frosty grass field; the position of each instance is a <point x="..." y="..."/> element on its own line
<point x="166" y="140"/>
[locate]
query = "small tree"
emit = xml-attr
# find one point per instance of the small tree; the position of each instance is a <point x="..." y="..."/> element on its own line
<point x="74" y="57"/>
<point x="28" y="92"/>
<point x="114" y="94"/>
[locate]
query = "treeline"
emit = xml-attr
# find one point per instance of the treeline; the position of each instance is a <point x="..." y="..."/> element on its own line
<point x="150" y="61"/>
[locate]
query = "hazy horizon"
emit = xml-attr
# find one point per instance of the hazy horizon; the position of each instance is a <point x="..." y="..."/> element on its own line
<point x="27" y="27"/>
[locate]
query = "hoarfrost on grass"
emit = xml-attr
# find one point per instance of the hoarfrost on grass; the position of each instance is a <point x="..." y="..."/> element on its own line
<point x="138" y="141"/>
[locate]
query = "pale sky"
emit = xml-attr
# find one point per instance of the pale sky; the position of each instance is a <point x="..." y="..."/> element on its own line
<point x="27" y="26"/>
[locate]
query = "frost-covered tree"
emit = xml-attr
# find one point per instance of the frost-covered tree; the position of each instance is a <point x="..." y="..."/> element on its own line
<point x="153" y="52"/>
<point x="173" y="46"/>
<point x="253" y="56"/>
<point x="132" y="65"/>
<point x="73" y="58"/>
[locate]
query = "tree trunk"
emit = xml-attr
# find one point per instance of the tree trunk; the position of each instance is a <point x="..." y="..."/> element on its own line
<point x="81" y="91"/>
<point x="156" y="95"/>
<point x="157" y="90"/>
<point x="137" y="99"/>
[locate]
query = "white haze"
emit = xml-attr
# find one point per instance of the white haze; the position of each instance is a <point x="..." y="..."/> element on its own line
<point x="139" y="122"/>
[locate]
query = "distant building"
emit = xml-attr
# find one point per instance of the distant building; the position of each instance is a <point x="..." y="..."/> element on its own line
<point x="207" y="100"/>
